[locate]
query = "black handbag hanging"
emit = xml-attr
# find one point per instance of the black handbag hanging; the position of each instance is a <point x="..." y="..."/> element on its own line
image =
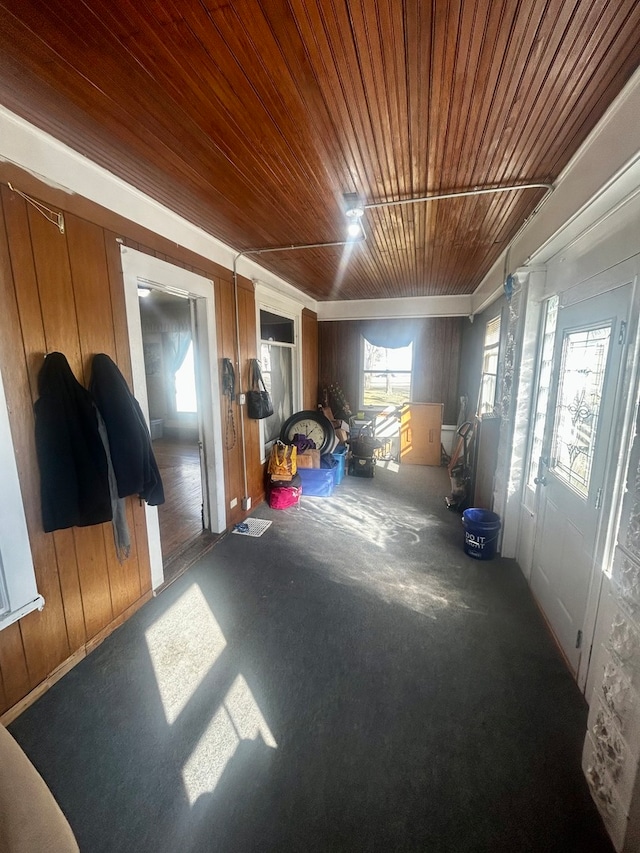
<point x="259" y="403"/>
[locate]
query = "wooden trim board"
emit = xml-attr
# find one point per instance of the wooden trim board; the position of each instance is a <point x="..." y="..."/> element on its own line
<point x="14" y="712"/>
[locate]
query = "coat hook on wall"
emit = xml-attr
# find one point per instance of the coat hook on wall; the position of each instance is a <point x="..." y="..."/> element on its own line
<point x="50" y="215"/>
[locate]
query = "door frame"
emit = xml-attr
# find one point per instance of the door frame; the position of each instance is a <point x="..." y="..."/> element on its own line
<point x="276" y="303"/>
<point x="579" y="289"/>
<point x="139" y="268"/>
<point x="606" y="450"/>
<point x="617" y="457"/>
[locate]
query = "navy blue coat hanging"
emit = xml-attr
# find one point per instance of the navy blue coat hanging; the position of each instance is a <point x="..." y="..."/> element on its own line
<point x="132" y="456"/>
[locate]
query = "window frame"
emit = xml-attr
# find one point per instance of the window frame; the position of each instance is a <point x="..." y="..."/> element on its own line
<point x="489" y="350"/>
<point x="18" y="590"/>
<point x="282" y="345"/>
<point x="275" y="303"/>
<point x="541" y="388"/>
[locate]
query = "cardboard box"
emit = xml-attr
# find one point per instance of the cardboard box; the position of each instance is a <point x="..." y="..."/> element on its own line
<point x="342" y="436"/>
<point x="308" y="459"/>
<point x="328" y="414"/>
<point x="337" y="423"/>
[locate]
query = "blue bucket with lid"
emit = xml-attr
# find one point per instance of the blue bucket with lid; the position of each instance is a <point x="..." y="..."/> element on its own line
<point x="481" y="531"/>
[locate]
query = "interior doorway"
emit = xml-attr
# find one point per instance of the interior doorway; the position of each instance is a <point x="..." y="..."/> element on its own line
<point x="175" y="379"/>
<point x="170" y="351"/>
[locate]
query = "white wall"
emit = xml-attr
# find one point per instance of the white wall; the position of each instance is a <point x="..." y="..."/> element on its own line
<point x="603" y="255"/>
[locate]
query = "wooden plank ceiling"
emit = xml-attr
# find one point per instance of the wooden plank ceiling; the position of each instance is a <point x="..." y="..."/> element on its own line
<point x="251" y="118"/>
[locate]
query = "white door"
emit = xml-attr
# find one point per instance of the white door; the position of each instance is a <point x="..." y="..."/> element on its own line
<point x="589" y="343"/>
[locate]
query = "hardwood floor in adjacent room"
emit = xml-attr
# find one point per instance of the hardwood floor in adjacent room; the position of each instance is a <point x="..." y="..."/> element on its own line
<point x="181" y="514"/>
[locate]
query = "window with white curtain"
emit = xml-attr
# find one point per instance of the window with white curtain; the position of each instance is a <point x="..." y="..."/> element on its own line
<point x="185" y="384"/>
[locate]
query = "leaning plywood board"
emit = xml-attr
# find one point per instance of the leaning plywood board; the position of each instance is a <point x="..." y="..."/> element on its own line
<point x="420" y="429"/>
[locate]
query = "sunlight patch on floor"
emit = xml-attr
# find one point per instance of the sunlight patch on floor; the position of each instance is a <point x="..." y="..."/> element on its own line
<point x="372" y="521"/>
<point x="184" y="643"/>
<point x="245" y="713"/>
<point x="388" y="465"/>
<point x="237" y="719"/>
<point x="204" y="767"/>
<point x="398" y="570"/>
<point x="417" y="591"/>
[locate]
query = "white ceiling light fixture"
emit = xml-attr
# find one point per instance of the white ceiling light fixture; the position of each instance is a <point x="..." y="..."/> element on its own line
<point x="354" y="211"/>
<point x="143" y="292"/>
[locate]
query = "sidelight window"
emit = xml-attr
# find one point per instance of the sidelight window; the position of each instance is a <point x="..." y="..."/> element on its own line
<point x="545" y="370"/>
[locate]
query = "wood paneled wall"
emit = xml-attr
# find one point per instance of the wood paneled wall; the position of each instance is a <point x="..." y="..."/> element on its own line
<point x="309" y="359"/>
<point x="65" y="292"/>
<point x="436" y="360"/>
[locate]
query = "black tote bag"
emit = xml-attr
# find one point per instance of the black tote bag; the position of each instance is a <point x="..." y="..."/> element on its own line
<point x="259" y="403"/>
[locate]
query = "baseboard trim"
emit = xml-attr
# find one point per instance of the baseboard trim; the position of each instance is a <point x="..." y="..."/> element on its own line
<point x="40" y="689"/>
<point x="556" y="642"/>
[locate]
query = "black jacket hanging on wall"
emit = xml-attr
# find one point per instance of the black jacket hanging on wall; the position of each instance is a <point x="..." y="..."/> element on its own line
<point x="74" y="484"/>
<point x="129" y="440"/>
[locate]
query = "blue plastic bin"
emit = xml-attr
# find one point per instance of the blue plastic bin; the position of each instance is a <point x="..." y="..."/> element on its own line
<point x="340" y="455"/>
<point x="317" y="482"/>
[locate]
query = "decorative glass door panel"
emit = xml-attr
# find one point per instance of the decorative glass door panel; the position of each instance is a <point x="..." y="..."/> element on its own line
<point x="581" y="382"/>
